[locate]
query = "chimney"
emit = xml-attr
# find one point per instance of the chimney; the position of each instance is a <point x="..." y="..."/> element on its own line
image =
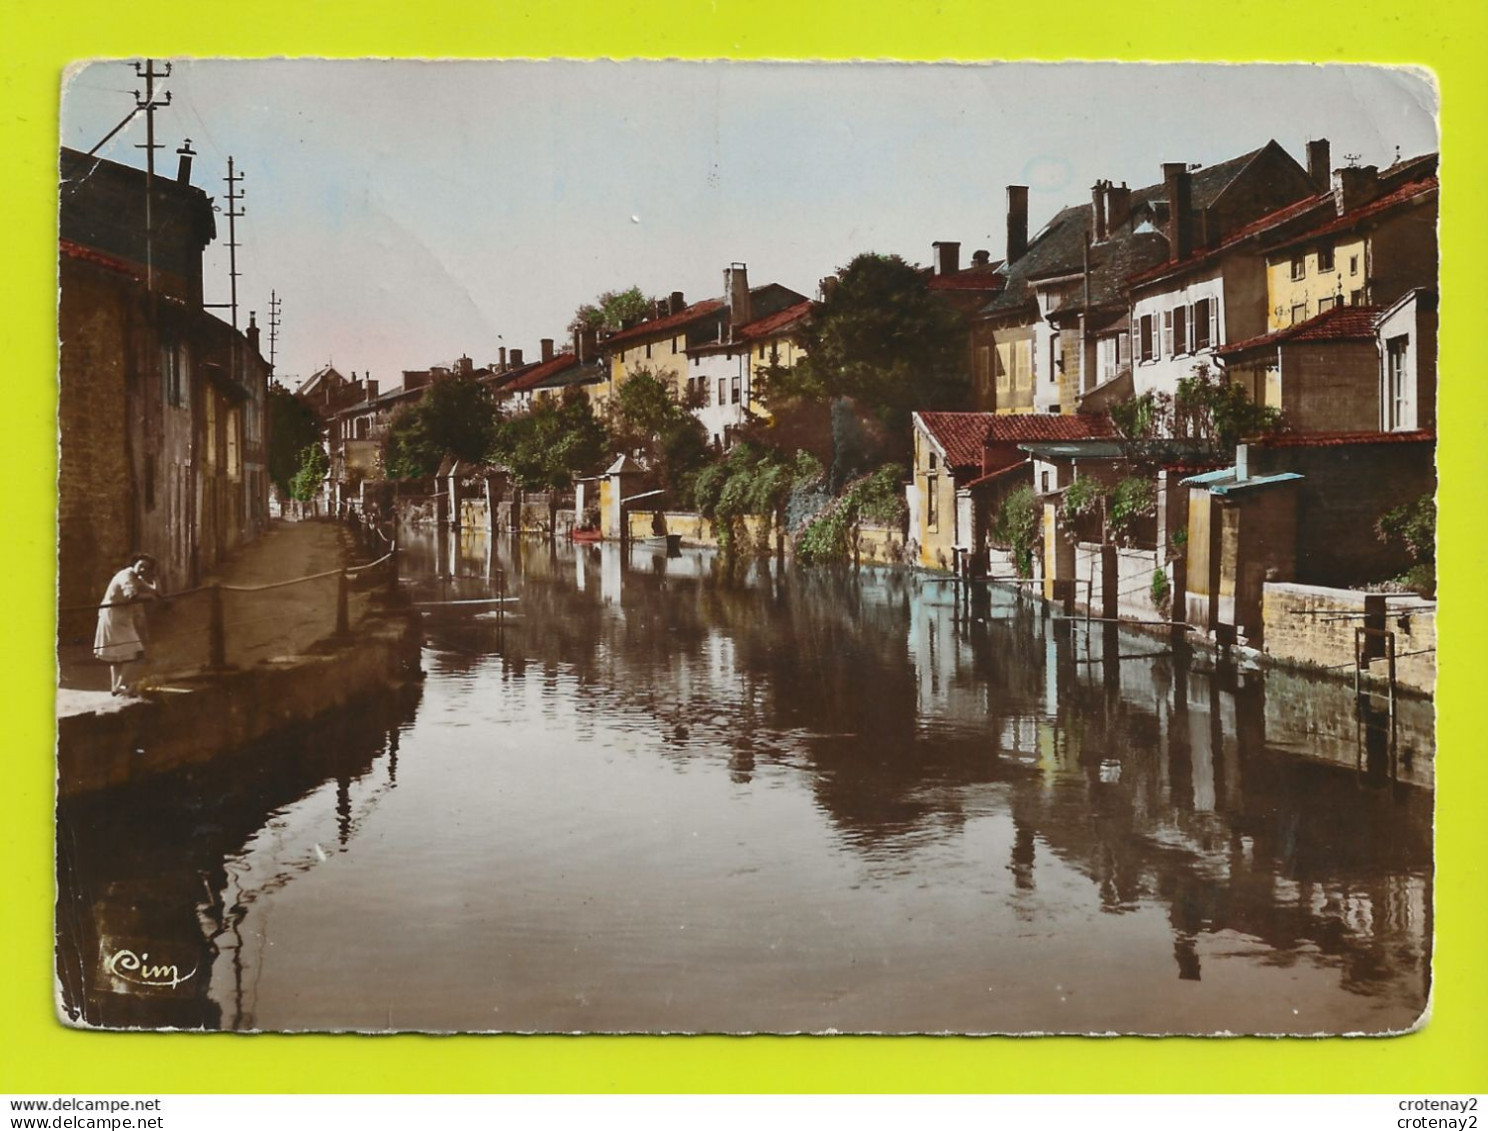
<point x="547" y="349"/>
<point x="981" y="257"/>
<point x="1242" y="462"/>
<point x="736" y="294"/>
<point x="1180" y="209"/>
<point x="516" y="359"/>
<point x="947" y="257"/>
<point x="1318" y="165"/>
<point x="1098" y="209"/>
<point x="371" y="389"/>
<point x="501" y="364"/>
<point x="252" y="332"/>
<point x="1118" y="206"/>
<point x="464" y="366"/>
<point x="1354" y="187"/>
<point x="827" y="288"/>
<point x="676" y="303"/>
<point x="1017" y="222"/>
<point x="183" y="168"/>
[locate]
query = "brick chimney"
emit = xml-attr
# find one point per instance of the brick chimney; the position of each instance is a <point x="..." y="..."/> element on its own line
<point x="947" y="254"/>
<point x="464" y="366"/>
<point x="183" y="167"/>
<point x="516" y="359"/>
<point x="371" y="389"/>
<point x="1098" y="210"/>
<point x="676" y="303"/>
<point x="1354" y="187"/>
<point x="736" y="294"/>
<point x="1017" y="222"/>
<point x="252" y="332"/>
<point x="547" y="349"/>
<point x="1179" y="184"/>
<point x="981" y="257"/>
<point x="1118" y="206"/>
<point x="501" y="363"/>
<point x="1318" y="170"/>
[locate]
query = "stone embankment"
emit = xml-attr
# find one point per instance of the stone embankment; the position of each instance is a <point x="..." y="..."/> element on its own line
<point x="285" y="644"/>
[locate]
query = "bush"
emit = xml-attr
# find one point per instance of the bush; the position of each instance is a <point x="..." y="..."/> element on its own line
<point x="1016" y="528"/>
<point x="1413" y="527"/>
<point x="877" y="497"/>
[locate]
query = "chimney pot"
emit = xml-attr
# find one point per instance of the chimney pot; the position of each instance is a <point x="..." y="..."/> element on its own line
<point x="183" y="167"/>
<point x="516" y="359"/>
<point x="547" y="349"/>
<point x="947" y="257"/>
<point x="252" y="332"/>
<point x="675" y="303"/>
<point x="1098" y="209"/>
<point x="1118" y="206"/>
<point x="1017" y="222"/>
<point x="736" y="290"/>
<point x="981" y="257"/>
<point x="501" y="354"/>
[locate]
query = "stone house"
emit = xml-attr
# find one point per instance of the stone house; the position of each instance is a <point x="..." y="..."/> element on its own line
<point x="161" y="405"/>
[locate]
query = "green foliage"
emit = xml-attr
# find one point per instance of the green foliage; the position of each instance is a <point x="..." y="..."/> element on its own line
<point x="1084" y="497"/>
<point x="293" y="427"/>
<point x="1130" y="501"/>
<point x="610" y="310"/>
<point x="750" y="480"/>
<point x="650" y="421"/>
<point x="1016" y="528"/>
<point x="1413" y="526"/>
<point x="308" y="479"/>
<point x="454" y="418"/>
<point x="1210" y="407"/>
<point x="828" y="535"/>
<point x="1162" y="590"/>
<point x="547" y="447"/>
<point x="1143" y="418"/>
<point x="883" y="339"/>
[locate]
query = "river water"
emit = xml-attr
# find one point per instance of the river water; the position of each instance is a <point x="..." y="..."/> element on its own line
<point x="658" y="794"/>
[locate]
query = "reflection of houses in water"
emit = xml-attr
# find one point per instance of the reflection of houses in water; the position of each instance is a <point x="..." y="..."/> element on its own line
<point x="168" y="871"/>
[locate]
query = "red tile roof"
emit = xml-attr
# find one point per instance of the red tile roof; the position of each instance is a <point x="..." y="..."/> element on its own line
<point x="660" y="327"/>
<point x="1341" y="324"/>
<point x="1025" y="467"/>
<point x="960" y="435"/>
<point x="541" y="372"/>
<point x="1340" y="439"/>
<point x="773" y="324"/>
<point x="972" y="279"/>
<point x="1030" y="428"/>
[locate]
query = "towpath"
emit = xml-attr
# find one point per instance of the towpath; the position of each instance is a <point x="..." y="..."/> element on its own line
<point x="259" y="623"/>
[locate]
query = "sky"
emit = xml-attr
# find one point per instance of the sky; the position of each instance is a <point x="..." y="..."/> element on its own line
<point x="408" y="212"/>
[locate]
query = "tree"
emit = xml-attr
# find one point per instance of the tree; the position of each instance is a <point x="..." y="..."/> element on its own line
<point x="547" y="447"/>
<point x="884" y="340"/>
<point x="293" y="426"/>
<point x="652" y="423"/>
<point x="308" y="479"/>
<point x="455" y="417"/>
<point x="1412" y="527"/>
<point x="611" y="310"/>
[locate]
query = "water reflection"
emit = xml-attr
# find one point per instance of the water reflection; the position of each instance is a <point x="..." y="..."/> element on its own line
<point x="669" y="794"/>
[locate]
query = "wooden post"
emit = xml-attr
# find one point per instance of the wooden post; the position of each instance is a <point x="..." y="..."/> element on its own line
<point x="216" y="631"/>
<point x="392" y="569"/>
<point x="1390" y="644"/>
<point x="343" y="615"/>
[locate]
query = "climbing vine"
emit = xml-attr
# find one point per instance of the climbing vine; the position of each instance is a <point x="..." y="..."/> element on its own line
<point x="828" y="535"/>
<point x="1016" y="528"/>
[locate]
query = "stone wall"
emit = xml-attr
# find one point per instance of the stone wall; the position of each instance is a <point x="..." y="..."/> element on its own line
<point x="1314" y="626"/>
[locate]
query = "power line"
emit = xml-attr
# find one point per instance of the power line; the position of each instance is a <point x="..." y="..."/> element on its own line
<point x="149" y="105"/>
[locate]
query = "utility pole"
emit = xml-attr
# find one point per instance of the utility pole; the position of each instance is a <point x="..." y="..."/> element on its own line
<point x="233" y="212"/>
<point x="149" y="105"/>
<point x="273" y="325"/>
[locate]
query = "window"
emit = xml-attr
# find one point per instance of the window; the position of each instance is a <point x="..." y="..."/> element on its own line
<point x="1002" y="366"/>
<point x="173" y="374"/>
<point x="1167" y="330"/>
<point x="1044" y="482"/>
<point x="1110" y="349"/>
<point x="1353" y="265"/>
<point x="1396" y="352"/>
<point x="723" y="390"/>
<point x="1299" y="312"/>
<point x="1055" y="362"/>
<point x="1325" y="257"/>
<point x="1147" y="338"/>
<point x="648" y="349"/>
<point x="1203" y="331"/>
<point x="210" y="454"/>
<point x="1023" y="363"/>
<point x="931" y="464"/>
<point x="674" y="343"/>
<point x="234" y="454"/>
<point x="1327" y="304"/>
<point x="932" y="503"/>
<point x="1180" y="330"/>
<point x="762" y="351"/>
<point x="734" y="390"/>
<point x="1356" y="296"/>
<point x="1299" y="267"/>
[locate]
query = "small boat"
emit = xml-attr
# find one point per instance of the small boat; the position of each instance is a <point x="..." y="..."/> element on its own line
<point x="586" y="534"/>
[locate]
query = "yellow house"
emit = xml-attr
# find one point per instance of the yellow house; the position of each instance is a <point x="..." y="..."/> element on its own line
<point x="1367" y="243"/>
<point x="948" y="450"/>
<point x="659" y="345"/>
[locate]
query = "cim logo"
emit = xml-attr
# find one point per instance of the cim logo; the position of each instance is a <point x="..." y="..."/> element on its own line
<point x="137" y="969"/>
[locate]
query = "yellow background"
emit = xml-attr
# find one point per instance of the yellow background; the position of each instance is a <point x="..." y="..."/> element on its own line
<point x="39" y="1055"/>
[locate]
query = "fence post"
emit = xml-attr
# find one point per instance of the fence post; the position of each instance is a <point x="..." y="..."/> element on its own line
<point x="392" y="582"/>
<point x="216" y="631"/>
<point x="343" y="618"/>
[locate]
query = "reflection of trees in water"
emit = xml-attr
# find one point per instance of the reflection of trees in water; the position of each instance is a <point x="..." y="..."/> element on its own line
<point x="150" y="867"/>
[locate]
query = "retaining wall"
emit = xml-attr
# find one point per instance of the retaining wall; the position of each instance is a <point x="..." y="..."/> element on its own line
<point x="1314" y="625"/>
